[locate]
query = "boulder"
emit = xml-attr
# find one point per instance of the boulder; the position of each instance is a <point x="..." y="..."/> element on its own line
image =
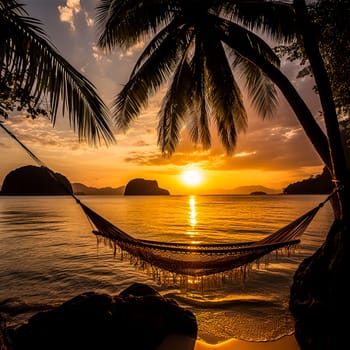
<point x="137" y="318"/>
<point x="35" y="181"/>
<point x="319" y="298"/>
<point x="143" y="187"/>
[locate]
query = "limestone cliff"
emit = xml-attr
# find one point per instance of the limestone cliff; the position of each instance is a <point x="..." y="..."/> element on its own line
<point x="143" y="187"/>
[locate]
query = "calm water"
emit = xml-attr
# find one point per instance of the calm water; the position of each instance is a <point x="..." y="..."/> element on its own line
<point x="50" y="255"/>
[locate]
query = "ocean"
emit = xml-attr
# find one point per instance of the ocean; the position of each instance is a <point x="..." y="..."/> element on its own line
<point x="49" y="255"/>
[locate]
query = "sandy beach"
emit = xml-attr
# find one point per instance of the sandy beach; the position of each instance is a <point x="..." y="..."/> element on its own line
<point x="286" y="343"/>
<point x="184" y="343"/>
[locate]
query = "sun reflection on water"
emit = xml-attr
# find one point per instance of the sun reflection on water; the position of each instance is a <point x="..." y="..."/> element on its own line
<point x="192" y="218"/>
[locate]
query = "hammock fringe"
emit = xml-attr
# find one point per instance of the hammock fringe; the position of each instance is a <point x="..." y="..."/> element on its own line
<point x="163" y="277"/>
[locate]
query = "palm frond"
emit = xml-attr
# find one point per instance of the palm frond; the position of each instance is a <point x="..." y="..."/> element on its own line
<point x="273" y="18"/>
<point x="199" y="130"/>
<point x="224" y="94"/>
<point x="12" y="6"/>
<point x="154" y="67"/>
<point x="43" y="72"/>
<point x="176" y="31"/>
<point x="260" y="88"/>
<point x="174" y="108"/>
<point x="239" y="38"/>
<point x="125" y="22"/>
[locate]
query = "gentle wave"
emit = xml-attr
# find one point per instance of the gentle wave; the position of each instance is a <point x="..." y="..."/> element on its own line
<point x="222" y="302"/>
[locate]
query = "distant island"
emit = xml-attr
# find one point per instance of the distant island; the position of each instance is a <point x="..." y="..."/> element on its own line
<point x="81" y="189"/>
<point x="258" y="193"/>
<point x="35" y="181"/>
<point x="137" y="187"/>
<point x="248" y="189"/>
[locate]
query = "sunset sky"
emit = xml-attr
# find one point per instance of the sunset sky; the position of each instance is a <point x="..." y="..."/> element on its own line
<point x="273" y="152"/>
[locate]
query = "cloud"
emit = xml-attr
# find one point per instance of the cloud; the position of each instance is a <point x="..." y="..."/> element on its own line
<point x="132" y="50"/>
<point x="244" y="154"/>
<point x="89" y="21"/>
<point x="97" y="53"/>
<point x="68" y="12"/>
<point x="278" y="148"/>
<point x="39" y="133"/>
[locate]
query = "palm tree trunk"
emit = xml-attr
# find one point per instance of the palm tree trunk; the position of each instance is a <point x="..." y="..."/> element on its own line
<point x="338" y="160"/>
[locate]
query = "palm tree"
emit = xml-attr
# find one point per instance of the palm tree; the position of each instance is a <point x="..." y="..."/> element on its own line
<point x="32" y="68"/>
<point x="188" y="47"/>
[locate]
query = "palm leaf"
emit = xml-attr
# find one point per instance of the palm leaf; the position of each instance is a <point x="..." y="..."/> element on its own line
<point x="224" y="94"/>
<point x="43" y="72"/>
<point x="174" y="108"/>
<point x="125" y="22"/>
<point x="273" y="18"/>
<point x="260" y="88"/>
<point x="239" y="38"/>
<point x="199" y="128"/>
<point x="154" y="67"/>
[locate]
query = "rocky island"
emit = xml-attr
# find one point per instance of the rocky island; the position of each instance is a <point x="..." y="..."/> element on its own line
<point x="32" y="180"/>
<point x="142" y="187"/>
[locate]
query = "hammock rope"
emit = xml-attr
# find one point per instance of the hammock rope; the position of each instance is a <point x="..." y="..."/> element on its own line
<point x="196" y="260"/>
<point x="180" y="262"/>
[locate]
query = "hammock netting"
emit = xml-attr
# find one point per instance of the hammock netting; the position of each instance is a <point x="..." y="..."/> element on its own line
<point x="180" y="262"/>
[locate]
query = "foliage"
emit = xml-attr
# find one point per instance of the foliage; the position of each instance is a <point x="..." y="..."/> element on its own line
<point x="13" y="97"/>
<point x="331" y="19"/>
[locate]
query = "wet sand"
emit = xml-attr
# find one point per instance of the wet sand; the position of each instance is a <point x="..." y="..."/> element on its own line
<point x="184" y="343"/>
<point x="286" y="343"/>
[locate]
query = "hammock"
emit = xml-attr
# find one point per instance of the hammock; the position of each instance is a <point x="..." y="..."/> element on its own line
<point x="183" y="262"/>
<point x="190" y="262"/>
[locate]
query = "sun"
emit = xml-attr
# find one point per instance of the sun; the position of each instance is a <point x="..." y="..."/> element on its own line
<point x="192" y="177"/>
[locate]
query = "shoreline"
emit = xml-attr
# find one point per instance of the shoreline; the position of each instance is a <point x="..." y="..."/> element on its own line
<point x="177" y="342"/>
<point x="287" y="342"/>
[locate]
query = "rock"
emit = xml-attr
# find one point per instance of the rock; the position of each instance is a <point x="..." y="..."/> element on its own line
<point x="319" y="298"/>
<point x="32" y="180"/>
<point x="144" y="187"/>
<point x="4" y="341"/>
<point x="138" y="318"/>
